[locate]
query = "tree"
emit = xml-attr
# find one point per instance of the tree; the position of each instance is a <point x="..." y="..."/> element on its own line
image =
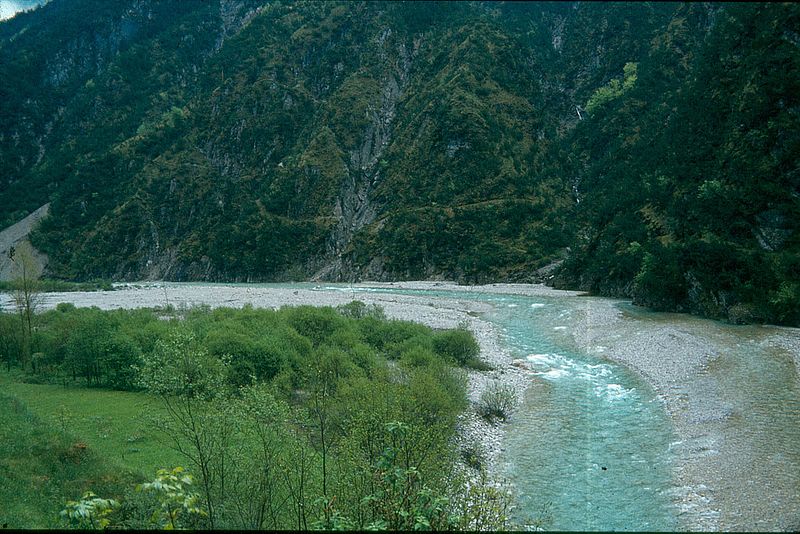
<point x="91" y="512"/>
<point x="27" y="295"/>
<point x="10" y="343"/>
<point x="188" y="380"/>
<point x="259" y="495"/>
<point x="174" y="496"/>
<point x="614" y="88"/>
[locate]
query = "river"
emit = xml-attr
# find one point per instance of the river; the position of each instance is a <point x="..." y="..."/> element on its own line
<point x="631" y="420"/>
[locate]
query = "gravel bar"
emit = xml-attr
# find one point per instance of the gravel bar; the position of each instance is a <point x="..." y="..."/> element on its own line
<point x="708" y="486"/>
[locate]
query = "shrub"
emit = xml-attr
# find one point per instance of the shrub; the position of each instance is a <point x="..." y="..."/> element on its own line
<point x="743" y="313"/>
<point x="317" y="324"/>
<point x="263" y="358"/>
<point x="438" y="394"/>
<point x="358" y="310"/>
<point x="417" y="356"/>
<point x="474" y="456"/>
<point x="459" y="345"/>
<point x="120" y="360"/>
<point x="497" y="401"/>
<point x="660" y="283"/>
<point x="786" y="302"/>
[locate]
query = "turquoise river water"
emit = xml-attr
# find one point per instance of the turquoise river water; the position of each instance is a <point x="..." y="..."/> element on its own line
<point x="592" y="447"/>
<point x="589" y="449"/>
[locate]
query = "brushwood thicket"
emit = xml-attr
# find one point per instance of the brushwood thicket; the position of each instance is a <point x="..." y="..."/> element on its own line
<point x="291" y="419"/>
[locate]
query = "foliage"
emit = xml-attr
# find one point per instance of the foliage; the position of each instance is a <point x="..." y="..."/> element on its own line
<point x="11" y="342"/>
<point x="337" y="437"/>
<point x="497" y="401"/>
<point x="432" y="141"/>
<point x="98" y="352"/>
<point x="692" y="166"/>
<point x="459" y="345"/>
<point x="358" y="310"/>
<point x="786" y="301"/>
<point x="177" y="367"/>
<point x="174" y="495"/>
<point x="26" y="293"/>
<point x="485" y="506"/>
<point x="91" y="512"/>
<point x="614" y="88"/>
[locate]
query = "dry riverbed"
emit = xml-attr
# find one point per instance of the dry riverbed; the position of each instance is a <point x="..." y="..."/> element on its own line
<point x="724" y="474"/>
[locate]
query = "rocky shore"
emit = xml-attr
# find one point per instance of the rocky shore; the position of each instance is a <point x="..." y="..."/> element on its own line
<point x="735" y="462"/>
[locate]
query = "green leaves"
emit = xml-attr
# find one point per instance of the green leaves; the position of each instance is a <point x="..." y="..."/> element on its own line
<point x="90" y="512"/>
<point x="180" y="367"/>
<point x="459" y="346"/>
<point x="614" y="88"/>
<point x="172" y="489"/>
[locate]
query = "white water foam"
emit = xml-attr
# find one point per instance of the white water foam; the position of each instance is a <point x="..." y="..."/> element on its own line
<point x="612" y="392"/>
<point x="540" y="358"/>
<point x="554" y="373"/>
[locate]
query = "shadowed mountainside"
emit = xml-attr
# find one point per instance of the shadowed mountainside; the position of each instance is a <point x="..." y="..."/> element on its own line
<point x="652" y="146"/>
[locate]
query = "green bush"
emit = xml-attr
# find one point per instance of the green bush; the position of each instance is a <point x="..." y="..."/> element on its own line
<point x="263" y="356"/>
<point x="316" y="324"/>
<point x="660" y="283"/>
<point x="358" y="310"/>
<point x="786" y="302"/>
<point x="497" y="401"/>
<point x="438" y="394"/>
<point x="340" y="379"/>
<point x="474" y="456"/>
<point x="457" y="345"/>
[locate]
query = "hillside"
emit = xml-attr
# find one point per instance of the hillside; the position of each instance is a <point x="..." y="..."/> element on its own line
<point x="654" y="147"/>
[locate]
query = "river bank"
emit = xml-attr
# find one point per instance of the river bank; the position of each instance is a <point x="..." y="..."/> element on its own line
<point x="440" y="313"/>
<point x="736" y="452"/>
<point x="735" y="460"/>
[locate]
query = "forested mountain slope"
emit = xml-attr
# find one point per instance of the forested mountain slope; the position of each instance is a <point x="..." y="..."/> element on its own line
<point x="652" y="145"/>
<point x="689" y="180"/>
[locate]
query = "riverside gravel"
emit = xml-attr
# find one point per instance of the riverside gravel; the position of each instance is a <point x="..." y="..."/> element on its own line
<point x="707" y="488"/>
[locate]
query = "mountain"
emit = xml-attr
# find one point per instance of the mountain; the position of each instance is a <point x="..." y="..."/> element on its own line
<point x="651" y="147"/>
<point x="9" y="8"/>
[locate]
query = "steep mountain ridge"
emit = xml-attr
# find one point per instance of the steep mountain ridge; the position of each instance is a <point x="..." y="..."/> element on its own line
<point x="250" y="140"/>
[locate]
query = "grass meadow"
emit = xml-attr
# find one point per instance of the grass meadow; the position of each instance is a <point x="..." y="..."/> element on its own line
<point x="57" y="442"/>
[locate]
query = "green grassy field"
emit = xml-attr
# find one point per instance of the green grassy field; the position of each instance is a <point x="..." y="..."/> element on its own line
<point x="111" y="423"/>
<point x="57" y="442"/>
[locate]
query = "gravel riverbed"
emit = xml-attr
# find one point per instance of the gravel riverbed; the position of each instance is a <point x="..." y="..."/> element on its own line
<point x="735" y="469"/>
<point x="725" y="477"/>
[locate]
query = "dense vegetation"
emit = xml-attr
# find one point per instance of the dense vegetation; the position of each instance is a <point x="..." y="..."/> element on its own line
<point x="298" y="418"/>
<point x="689" y="178"/>
<point x="654" y="146"/>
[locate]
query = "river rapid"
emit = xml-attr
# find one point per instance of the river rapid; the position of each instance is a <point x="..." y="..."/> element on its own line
<point x="628" y="419"/>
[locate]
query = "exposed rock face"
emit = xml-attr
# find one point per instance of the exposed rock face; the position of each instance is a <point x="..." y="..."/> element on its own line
<point x="233" y="15"/>
<point x="16" y="237"/>
<point x="354" y="208"/>
<point x="772" y="230"/>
